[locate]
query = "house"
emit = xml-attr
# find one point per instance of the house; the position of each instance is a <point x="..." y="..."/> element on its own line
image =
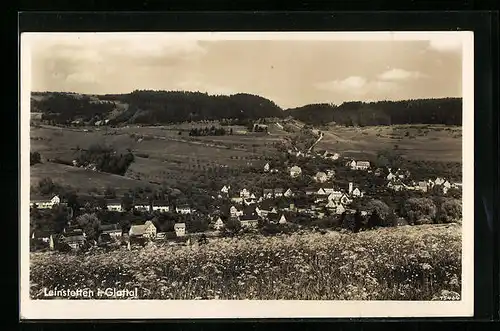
<point x="390" y="176"/>
<point x="41" y="236"/>
<point x="356" y="192"/>
<point x="180" y="229"/>
<point x="244" y="193"/>
<point x="104" y="239"/>
<point x="345" y="200"/>
<point x="161" y="207"/>
<point x="295" y="172"/>
<point x="335" y="196"/>
<point x="320" y="177"/>
<point x="113" y="230"/>
<point x="395" y="185"/>
<point x="288" y="193"/>
<point x="310" y="191"/>
<point x="447" y="184"/>
<point x="114" y="205"/>
<point x="183" y="209"/>
<point x="278" y="192"/>
<point x="320" y="192"/>
<point x="331" y="204"/>
<point x="330" y="173"/>
<point x="267" y="193"/>
<point x="218" y="224"/>
<point x="249" y="221"/>
<point x="234" y="212"/>
<point x="142" y="206"/>
<point x="340" y="209"/>
<point x="439" y="181"/>
<point x="46" y="203"/>
<point x="267" y="167"/>
<point x="75" y="241"/>
<point x="359" y="165"/>
<point x="225" y="189"/>
<point x="237" y="199"/>
<point x="282" y="219"/>
<point x="422" y="186"/>
<point x="147" y="229"/>
<point x="252" y="196"/>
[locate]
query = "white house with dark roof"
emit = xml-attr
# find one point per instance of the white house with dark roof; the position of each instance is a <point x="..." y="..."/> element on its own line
<point x="359" y="165"/>
<point x="148" y="230"/>
<point x="143" y="206"/>
<point x="114" y="205"/>
<point x="183" y="209"/>
<point x="288" y="193"/>
<point x="162" y="207"/>
<point x="278" y="192"/>
<point x="45" y="203"/>
<point x="180" y="229"/>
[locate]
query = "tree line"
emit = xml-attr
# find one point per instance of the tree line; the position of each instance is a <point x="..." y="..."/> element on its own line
<point x="446" y="111"/>
<point x="212" y="131"/>
<point x="105" y="159"/>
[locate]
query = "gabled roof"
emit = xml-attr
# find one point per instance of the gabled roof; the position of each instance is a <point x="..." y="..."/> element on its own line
<point x="179" y="225"/>
<point x="137" y="230"/>
<point x="279" y="190"/>
<point x="113" y="202"/>
<point x="160" y="203"/>
<point x="75" y="238"/>
<point x="183" y="207"/>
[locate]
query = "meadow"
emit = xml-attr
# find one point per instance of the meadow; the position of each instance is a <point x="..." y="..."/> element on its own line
<point x="402" y="263"/>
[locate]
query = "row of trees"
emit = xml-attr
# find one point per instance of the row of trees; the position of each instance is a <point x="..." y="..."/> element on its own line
<point x="446" y="111"/>
<point x="105" y="159"/>
<point x="212" y="131"/>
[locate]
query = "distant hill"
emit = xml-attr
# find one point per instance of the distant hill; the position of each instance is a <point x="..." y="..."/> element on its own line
<point x="152" y="107"/>
<point x="162" y="107"/>
<point x="446" y="111"/>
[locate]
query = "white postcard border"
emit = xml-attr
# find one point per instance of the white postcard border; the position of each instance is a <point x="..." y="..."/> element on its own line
<point x="199" y="309"/>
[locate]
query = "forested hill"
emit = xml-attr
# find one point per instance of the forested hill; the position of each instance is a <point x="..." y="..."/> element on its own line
<point x="162" y="107"/>
<point x="446" y="111"/>
<point x="151" y="107"/>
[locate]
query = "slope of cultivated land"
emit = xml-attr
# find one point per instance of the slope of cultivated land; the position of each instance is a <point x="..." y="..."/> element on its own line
<point x="420" y="142"/>
<point x="403" y="263"/>
<point x="81" y="179"/>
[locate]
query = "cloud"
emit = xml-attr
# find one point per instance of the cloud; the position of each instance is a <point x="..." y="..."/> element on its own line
<point x="448" y="44"/>
<point x="348" y="84"/>
<point x="399" y="74"/>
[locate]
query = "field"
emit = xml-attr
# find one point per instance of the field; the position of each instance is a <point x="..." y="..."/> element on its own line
<point x="403" y="263"/>
<point x="162" y="155"/>
<point x="418" y="142"/>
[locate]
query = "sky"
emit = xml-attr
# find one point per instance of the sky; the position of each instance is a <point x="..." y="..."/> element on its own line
<point x="289" y="71"/>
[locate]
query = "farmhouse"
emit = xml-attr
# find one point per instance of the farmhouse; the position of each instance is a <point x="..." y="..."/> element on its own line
<point x="183" y="209"/>
<point x="237" y="199"/>
<point x="234" y="212"/>
<point x="288" y="193"/>
<point x="331" y="204"/>
<point x="267" y="193"/>
<point x="104" y="239"/>
<point x="161" y="207"/>
<point x="320" y="177"/>
<point x="180" y="229"/>
<point x="439" y="181"/>
<point x="359" y="165"/>
<point x="278" y="192"/>
<point x="340" y="209"/>
<point x="335" y="196"/>
<point x="45" y="203"/>
<point x="225" y="189"/>
<point x="114" y="205"/>
<point x="143" y="206"/>
<point x="40" y="235"/>
<point x="356" y="192"/>
<point x="295" y="172"/>
<point x="422" y="186"/>
<point x="282" y="219"/>
<point x="147" y="229"/>
<point x="218" y="224"/>
<point x="320" y="192"/>
<point x="114" y="230"/>
<point x="75" y="241"/>
<point x="249" y="221"/>
<point x="244" y="193"/>
<point x="266" y="167"/>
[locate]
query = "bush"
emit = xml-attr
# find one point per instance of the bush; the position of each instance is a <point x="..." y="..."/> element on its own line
<point x="423" y="220"/>
<point x="35" y="158"/>
<point x="450" y="211"/>
<point x="416" y="209"/>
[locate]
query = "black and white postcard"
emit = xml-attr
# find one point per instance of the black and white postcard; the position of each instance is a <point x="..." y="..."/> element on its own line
<point x="246" y="175"/>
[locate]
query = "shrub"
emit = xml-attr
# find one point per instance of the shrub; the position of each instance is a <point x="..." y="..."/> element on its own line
<point x="450" y="211"/>
<point x="415" y="209"/>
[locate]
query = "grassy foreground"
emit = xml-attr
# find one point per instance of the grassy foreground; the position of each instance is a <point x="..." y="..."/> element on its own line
<point x="405" y="263"/>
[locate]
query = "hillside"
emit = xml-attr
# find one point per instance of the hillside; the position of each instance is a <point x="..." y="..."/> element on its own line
<point x="447" y="111"/>
<point x="164" y="107"/>
<point x="151" y="107"/>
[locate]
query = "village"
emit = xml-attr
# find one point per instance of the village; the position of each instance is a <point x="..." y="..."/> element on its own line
<point x="243" y="210"/>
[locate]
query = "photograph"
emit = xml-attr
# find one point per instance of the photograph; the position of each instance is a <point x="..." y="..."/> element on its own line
<point x="246" y="174"/>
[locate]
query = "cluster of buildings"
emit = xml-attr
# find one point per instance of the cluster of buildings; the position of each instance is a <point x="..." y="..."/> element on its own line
<point x="398" y="180"/>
